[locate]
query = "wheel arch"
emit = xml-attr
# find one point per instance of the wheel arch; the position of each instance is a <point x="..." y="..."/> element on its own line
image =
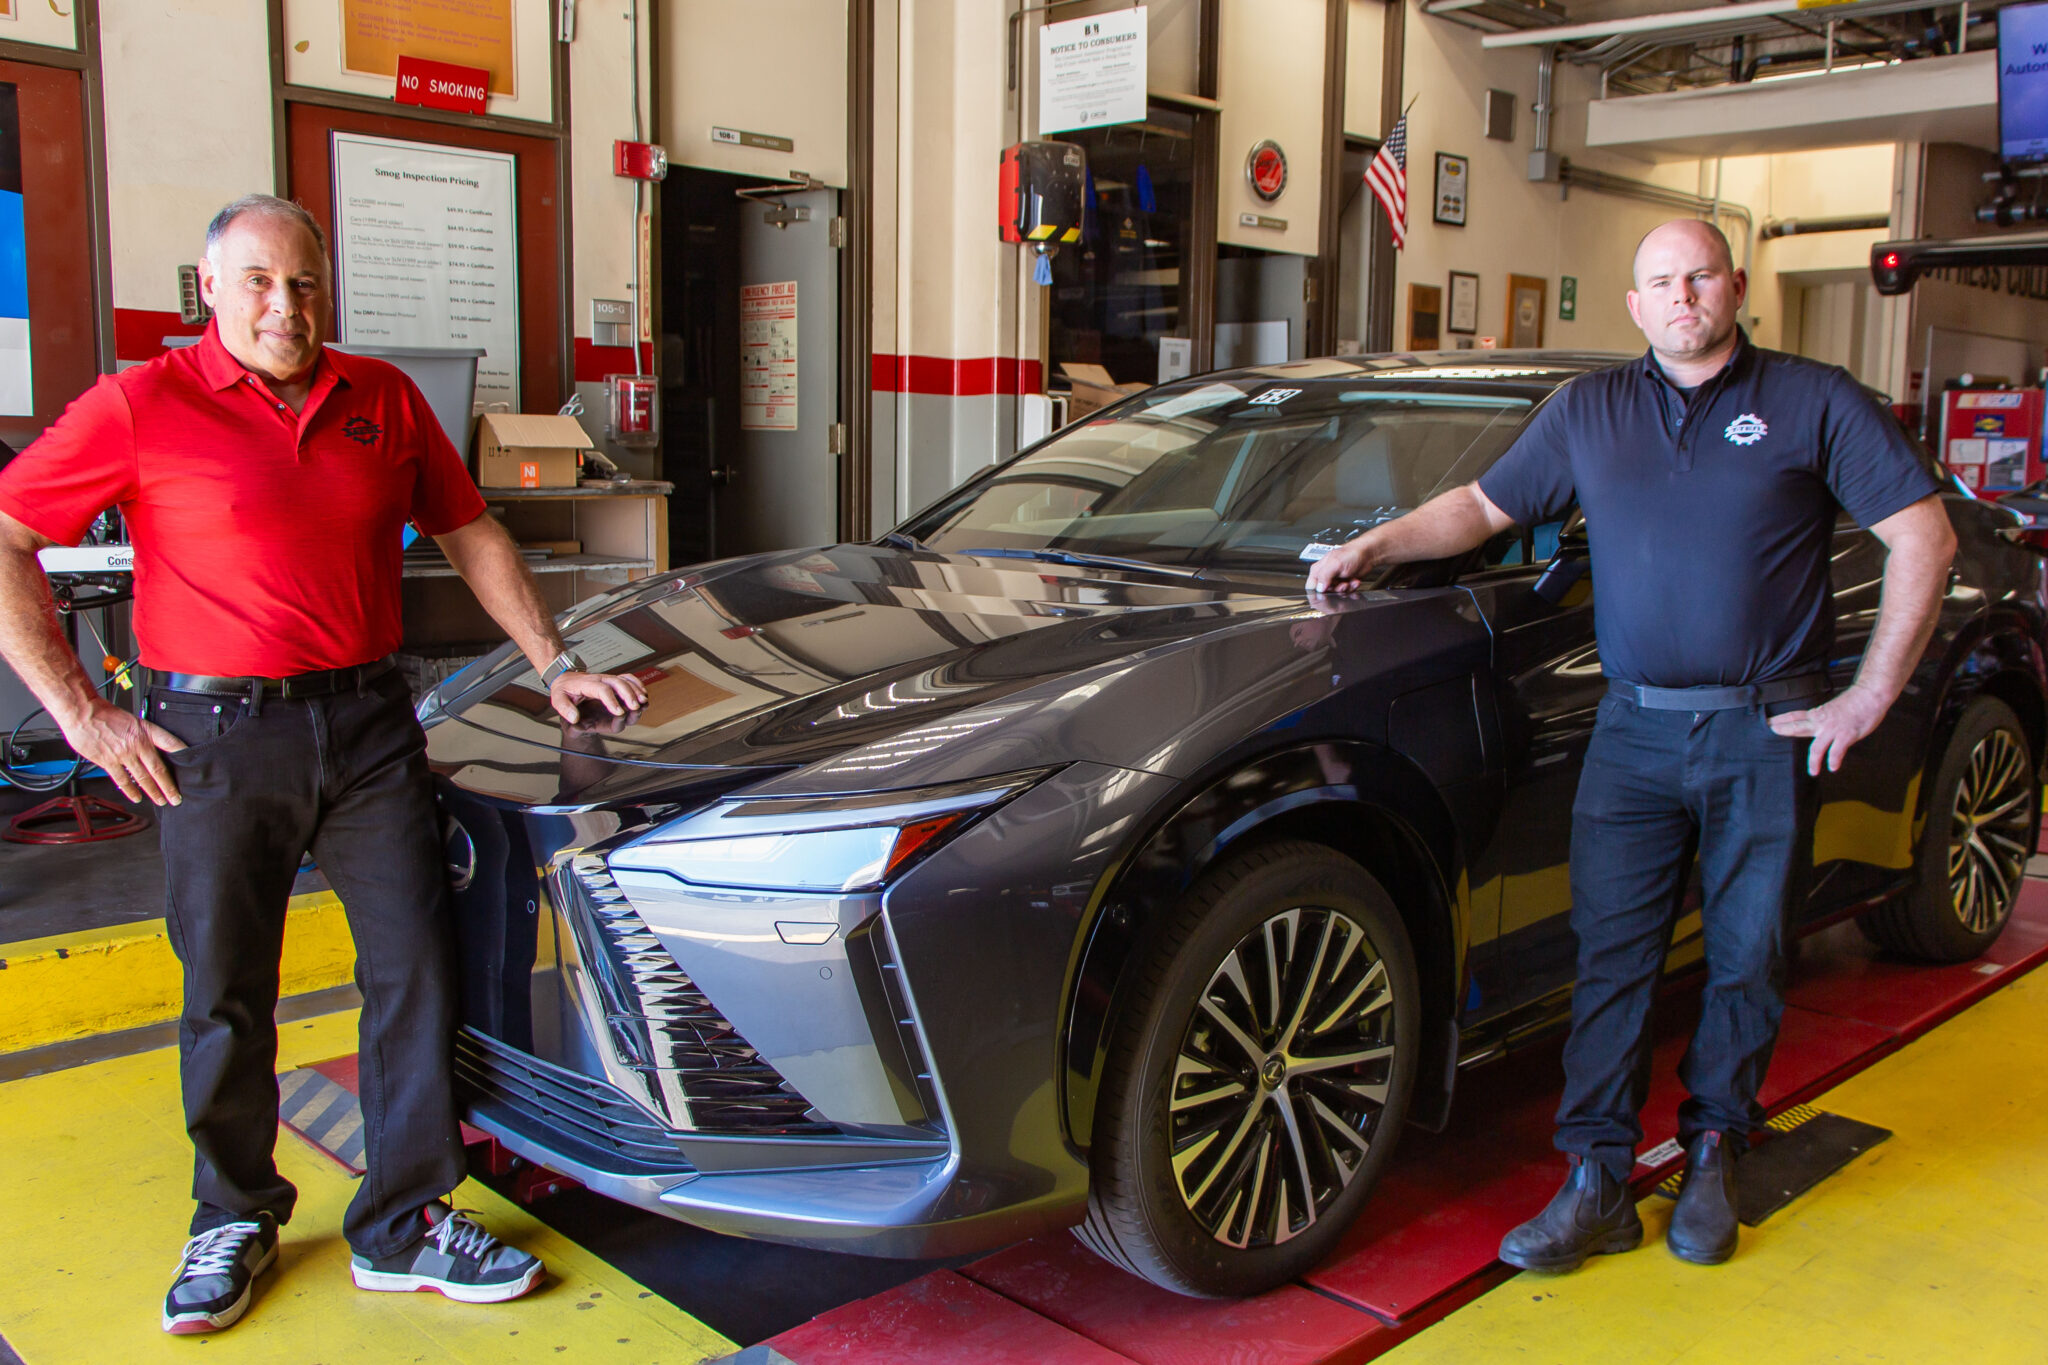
<point x="1388" y="817"/>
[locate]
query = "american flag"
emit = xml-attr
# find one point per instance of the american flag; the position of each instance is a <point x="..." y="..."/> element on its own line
<point x="1388" y="178"/>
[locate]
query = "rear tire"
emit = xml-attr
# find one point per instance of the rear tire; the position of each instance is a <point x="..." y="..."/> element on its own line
<point x="1983" y="811"/>
<point x="1258" y="1075"/>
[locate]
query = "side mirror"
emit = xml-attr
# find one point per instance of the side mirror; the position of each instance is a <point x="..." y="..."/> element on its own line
<point x="1573" y="558"/>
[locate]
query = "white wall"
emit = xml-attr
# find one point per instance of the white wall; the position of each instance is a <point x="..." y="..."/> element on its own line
<point x="167" y="176"/>
<point x="1270" y="80"/>
<point x="768" y="66"/>
<point x="1365" y="42"/>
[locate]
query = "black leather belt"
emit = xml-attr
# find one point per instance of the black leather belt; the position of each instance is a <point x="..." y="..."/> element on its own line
<point x="324" y="683"/>
<point x="1721" y="698"/>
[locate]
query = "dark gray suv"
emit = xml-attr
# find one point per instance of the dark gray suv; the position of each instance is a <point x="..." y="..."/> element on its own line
<point x="1055" y="861"/>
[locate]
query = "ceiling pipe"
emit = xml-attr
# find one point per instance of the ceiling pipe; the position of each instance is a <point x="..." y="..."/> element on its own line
<point x="1775" y="228"/>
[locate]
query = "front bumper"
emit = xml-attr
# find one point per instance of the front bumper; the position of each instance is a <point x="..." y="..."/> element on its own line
<point x="891" y="1091"/>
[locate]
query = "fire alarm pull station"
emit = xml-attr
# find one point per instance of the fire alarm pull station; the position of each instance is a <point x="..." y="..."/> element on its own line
<point x="1039" y="201"/>
<point x="632" y="412"/>
<point x="640" y="160"/>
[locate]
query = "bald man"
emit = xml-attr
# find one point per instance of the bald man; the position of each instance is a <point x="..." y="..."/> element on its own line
<point x="1710" y="473"/>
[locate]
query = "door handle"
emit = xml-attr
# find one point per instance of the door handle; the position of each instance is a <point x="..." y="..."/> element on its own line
<point x="723" y="474"/>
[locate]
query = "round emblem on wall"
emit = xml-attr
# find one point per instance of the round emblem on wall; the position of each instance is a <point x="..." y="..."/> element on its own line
<point x="1266" y="168"/>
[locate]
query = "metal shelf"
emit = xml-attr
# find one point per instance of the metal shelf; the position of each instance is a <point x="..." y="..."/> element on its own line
<point x="645" y="488"/>
<point x="556" y="564"/>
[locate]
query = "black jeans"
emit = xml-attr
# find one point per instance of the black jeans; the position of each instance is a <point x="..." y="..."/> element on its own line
<point x="1656" y="785"/>
<point x="346" y="777"/>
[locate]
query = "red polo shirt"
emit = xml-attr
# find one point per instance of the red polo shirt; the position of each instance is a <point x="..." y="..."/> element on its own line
<point x="266" y="541"/>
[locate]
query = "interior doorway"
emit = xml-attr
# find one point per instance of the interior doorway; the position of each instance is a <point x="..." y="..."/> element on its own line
<point x="749" y="318"/>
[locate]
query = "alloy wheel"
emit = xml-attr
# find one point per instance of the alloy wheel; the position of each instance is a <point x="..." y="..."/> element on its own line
<point x="1282" y="1077"/>
<point x="1988" y="830"/>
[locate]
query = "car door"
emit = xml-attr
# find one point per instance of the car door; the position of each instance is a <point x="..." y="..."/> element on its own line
<point x="1545" y="689"/>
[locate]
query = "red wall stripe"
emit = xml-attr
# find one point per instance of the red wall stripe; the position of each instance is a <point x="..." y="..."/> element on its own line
<point x="594" y="362"/>
<point x="139" y="333"/>
<point x="931" y="374"/>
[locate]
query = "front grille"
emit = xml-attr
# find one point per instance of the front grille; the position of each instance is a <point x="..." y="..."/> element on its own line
<point x="584" y="1119"/>
<point x="668" y="1030"/>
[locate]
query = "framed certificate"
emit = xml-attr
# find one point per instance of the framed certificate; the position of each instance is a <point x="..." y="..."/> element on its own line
<point x="1463" y="314"/>
<point x="1453" y="180"/>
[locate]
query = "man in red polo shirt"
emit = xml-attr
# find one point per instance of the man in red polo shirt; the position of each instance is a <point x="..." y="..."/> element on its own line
<point x="265" y="481"/>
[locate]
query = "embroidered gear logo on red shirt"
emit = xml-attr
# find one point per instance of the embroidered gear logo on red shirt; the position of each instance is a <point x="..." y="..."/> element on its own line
<point x="362" y="431"/>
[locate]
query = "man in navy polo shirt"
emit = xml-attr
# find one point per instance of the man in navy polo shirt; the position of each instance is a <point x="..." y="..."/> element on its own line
<point x="1709" y="473"/>
<point x="265" y="480"/>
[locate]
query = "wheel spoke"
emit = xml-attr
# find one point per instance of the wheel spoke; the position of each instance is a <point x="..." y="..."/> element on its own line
<point x="1223" y="1158"/>
<point x="1304" y="1177"/>
<point x="1306" y="1066"/>
<point x="1308" y="988"/>
<point x="1377" y="976"/>
<point x="1358" y="1141"/>
<point x="1252" y="1050"/>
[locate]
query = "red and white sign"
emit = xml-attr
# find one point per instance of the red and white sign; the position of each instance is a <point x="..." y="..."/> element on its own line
<point x="442" y="85"/>
<point x="1266" y="168"/>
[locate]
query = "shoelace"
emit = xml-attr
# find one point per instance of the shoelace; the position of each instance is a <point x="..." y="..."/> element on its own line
<point x="214" y="1251"/>
<point x="459" y="1234"/>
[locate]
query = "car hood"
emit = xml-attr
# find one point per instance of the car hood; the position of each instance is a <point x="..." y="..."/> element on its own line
<point x="865" y="667"/>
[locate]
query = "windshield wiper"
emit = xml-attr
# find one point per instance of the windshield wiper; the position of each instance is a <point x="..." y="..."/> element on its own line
<point x="1080" y="558"/>
<point x="902" y="541"/>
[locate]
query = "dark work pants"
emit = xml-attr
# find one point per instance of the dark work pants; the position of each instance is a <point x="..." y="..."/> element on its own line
<point x="346" y="777"/>
<point x="1656" y="785"/>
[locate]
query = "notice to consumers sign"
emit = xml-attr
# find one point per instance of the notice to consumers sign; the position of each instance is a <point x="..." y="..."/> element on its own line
<point x="1092" y="71"/>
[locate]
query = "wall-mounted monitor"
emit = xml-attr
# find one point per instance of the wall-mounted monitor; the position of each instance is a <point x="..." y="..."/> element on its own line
<point x="2023" y="84"/>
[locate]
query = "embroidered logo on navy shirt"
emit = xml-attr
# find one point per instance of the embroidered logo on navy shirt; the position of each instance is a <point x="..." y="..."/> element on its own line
<point x="1747" y="429"/>
<point x="362" y="431"/>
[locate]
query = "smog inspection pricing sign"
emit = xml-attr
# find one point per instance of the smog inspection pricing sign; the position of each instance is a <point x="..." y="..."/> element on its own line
<point x="768" y="356"/>
<point x="1091" y="71"/>
<point x="427" y="253"/>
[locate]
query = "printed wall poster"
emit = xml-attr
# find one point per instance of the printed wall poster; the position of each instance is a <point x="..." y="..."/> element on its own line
<point x="768" y="356"/>
<point x="427" y="253"/>
<point x="17" y="388"/>
<point x="465" y="32"/>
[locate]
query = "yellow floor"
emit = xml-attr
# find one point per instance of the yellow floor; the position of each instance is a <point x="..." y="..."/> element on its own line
<point x="1930" y="1248"/>
<point x="95" y="1175"/>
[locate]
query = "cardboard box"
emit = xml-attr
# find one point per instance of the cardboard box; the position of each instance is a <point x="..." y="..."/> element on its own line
<point x="529" y="450"/>
<point x="1093" y="389"/>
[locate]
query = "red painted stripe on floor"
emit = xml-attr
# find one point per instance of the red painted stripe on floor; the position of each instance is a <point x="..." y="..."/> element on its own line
<point x="346" y="1072"/>
<point x="939" y="375"/>
<point x="1061" y="1279"/>
<point x="937" y="1319"/>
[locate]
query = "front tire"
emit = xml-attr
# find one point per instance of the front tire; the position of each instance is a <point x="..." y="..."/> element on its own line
<point x="1258" y="1077"/>
<point x="1982" y="815"/>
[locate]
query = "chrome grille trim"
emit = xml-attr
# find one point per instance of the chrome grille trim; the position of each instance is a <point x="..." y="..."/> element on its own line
<point x="704" y="1076"/>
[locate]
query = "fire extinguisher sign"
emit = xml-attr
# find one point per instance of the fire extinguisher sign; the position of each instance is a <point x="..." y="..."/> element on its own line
<point x="768" y="356"/>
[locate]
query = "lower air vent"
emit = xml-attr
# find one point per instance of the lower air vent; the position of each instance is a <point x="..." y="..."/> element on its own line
<point x="665" y="1028"/>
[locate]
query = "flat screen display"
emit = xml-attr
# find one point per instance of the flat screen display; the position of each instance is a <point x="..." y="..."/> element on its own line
<point x="2023" y="83"/>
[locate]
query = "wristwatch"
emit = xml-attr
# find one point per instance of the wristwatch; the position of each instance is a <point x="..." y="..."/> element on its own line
<point x="568" y="661"/>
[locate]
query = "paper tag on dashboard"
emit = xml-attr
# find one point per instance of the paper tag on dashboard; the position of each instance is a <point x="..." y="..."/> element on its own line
<point x="1315" y="550"/>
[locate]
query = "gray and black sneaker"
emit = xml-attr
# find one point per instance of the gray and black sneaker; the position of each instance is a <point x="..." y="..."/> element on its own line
<point x="456" y="1258"/>
<point x="216" y="1273"/>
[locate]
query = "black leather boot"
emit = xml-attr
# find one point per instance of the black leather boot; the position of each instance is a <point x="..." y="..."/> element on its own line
<point x="1703" y="1225"/>
<point x="1593" y="1214"/>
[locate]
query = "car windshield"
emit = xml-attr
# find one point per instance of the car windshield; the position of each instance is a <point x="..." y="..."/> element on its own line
<point x="1246" y="473"/>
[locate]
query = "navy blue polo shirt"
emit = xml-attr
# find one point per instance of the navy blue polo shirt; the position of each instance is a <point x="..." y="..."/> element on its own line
<point x="1711" y="512"/>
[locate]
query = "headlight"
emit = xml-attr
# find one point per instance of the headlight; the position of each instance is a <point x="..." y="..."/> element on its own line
<point x="828" y="844"/>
